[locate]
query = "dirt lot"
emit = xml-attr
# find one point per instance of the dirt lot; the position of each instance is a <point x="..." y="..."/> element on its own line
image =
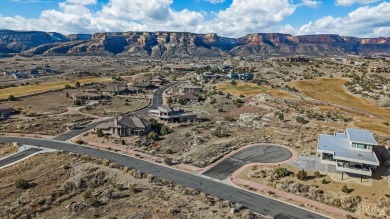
<point x="357" y="199"/>
<point x="82" y="187"/>
<point x="32" y="89"/>
<point x="7" y="149"/>
<point x="117" y="106"/>
<point x="251" y="89"/>
<point x="44" y="125"/>
<point x="44" y="104"/>
<point x="333" y="90"/>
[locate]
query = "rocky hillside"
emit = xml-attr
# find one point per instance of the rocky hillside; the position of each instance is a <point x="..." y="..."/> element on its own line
<point x="180" y="45"/>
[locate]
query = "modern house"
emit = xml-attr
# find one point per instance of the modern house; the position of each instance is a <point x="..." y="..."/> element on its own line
<point x="169" y="114"/>
<point x="141" y="86"/>
<point x="351" y="151"/>
<point x="126" y="126"/>
<point x="243" y="76"/>
<point x="191" y="89"/>
<point x="116" y="89"/>
<point x="87" y="95"/>
<point x="187" y="97"/>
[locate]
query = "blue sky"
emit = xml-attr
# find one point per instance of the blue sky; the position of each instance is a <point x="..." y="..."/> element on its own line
<point x="363" y="18"/>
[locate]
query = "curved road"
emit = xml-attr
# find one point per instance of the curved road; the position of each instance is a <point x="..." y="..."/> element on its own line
<point x="156" y="101"/>
<point x="257" y="203"/>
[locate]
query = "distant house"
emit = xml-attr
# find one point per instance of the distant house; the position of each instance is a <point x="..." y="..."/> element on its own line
<point x="169" y="114"/>
<point x="5" y="111"/>
<point x="351" y="151"/>
<point x="207" y="76"/>
<point x="158" y="81"/>
<point x="191" y="89"/>
<point x="297" y="59"/>
<point x="242" y="76"/>
<point x="87" y="95"/>
<point x="187" y="97"/>
<point x="126" y="126"/>
<point x="141" y="86"/>
<point x="116" y="89"/>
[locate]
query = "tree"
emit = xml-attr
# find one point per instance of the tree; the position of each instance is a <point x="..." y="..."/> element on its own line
<point x="345" y="189"/>
<point x="100" y="133"/>
<point x="169" y="100"/>
<point x="168" y="161"/>
<point x="153" y="135"/>
<point x="154" y="123"/>
<point x="123" y="142"/>
<point x="301" y="120"/>
<point x="281" y="117"/>
<point x="164" y="130"/>
<point x="169" y="151"/>
<point x="281" y="172"/>
<point x="77" y="84"/>
<point x="67" y="95"/>
<point x="67" y="86"/>
<point x="11" y="98"/>
<point x="302" y="175"/>
<point x="77" y="102"/>
<point x="233" y="82"/>
<point x="22" y="184"/>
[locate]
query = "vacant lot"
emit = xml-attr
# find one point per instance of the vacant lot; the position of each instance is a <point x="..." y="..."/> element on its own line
<point x="44" y="125"/>
<point x="332" y="90"/>
<point x="47" y="103"/>
<point x="84" y="187"/>
<point x="33" y="89"/>
<point x="321" y="188"/>
<point x="117" y="106"/>
<point x="251" y="89"/>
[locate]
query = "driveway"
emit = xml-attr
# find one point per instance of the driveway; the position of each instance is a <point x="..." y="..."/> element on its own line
<point x="256" y="154"/>
<point x="18" y="156"/>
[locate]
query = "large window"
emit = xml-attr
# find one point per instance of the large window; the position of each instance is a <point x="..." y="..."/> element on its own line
<point x="327" y="156"/>
<point x="362" y="146"/>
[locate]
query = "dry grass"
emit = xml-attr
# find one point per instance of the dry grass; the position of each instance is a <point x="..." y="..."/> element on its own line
<point x="333" y="90"/>
<point x="373" y="124"/>
<point x="33" y="89"/>
<point x="6" y="150"/>
<point x="251" y="89"/>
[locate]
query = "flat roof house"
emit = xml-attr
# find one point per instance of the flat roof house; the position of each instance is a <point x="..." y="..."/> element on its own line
<point x="351" y="151"/>
<point x="191" y="89"/>
<point x="170" y="114"/>
<point x="126" y="126"/>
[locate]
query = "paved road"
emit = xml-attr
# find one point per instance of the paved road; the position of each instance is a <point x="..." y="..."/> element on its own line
<point x="256" y="154"/>
<point x="260" y="204"/>
<point x="156" y="101"/>
<point x="18" y="156"/>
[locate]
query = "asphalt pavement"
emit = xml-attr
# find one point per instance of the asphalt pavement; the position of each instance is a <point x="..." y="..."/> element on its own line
<point x="252" y="201"/>
<point x="256" y="154"/>
<point x="18" y="156"/>
<point x="156" y="101"/>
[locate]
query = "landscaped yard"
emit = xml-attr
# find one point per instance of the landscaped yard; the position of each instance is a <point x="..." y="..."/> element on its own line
<point x="33" y="89"/>
<point x="333" y="90"/>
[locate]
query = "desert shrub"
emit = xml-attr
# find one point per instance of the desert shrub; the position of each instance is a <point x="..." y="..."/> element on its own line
<point x="119" y="186"/>
<point x="324" y="181"/>
<point x="301" y="120"/>
<point x="301" y="175"/>
<point x="80" y="141"/>
<point x="168" y="161"/>
<point x="281" y="172"/>
<point x="317" y="174"/>
<point x="168" y="151"/>
<point x="153" y="135"/>
<point x="123" y="142"/>
<point x="164" y="130"/>
<point x="345" y="189"/>
<point x="22" y="184"/>
<point x="11" y="98"/>
<point x="100" y="133"/>
<point x="87" y="194"/>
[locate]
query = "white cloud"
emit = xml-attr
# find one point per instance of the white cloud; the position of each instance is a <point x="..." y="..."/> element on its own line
<point x="215" y="1"/>
<point x="82" y="2"/>
<point x="351" y="2"/>
<point x="311" y="3"/>
<point x="364" y="22"/>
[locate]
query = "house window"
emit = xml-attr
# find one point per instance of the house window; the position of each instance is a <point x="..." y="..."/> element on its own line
<point x="361" y="146"/>
<point x="369" y="147"/>
<point x="327" y="156"/>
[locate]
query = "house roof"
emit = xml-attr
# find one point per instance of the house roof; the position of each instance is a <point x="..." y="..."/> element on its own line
<point x="361" y="136"/>
<point x="192" y="86"/>
<point x="165" y="108"/>
<point x="133" y="122"/>
<point x="339" y="145"/>
<point x="142" y="84"/>
<point x="188" y="95"/>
